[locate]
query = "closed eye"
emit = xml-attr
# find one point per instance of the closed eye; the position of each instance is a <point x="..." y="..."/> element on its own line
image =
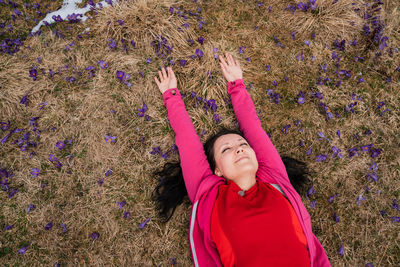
<point x="229" y="147"/>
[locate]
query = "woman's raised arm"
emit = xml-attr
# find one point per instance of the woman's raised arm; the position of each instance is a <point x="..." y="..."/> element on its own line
<point x="193" y="159"/>
<point x="267" y="156"/>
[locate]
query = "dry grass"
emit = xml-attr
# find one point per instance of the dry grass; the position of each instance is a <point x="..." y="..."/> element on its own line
<point x="91" y="107"/>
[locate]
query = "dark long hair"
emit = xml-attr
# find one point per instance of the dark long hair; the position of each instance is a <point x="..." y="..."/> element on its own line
<point x="171" y="190"/>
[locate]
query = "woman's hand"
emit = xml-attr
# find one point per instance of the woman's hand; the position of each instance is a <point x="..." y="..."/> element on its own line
<point x="231" y="70"/>
<point x="166" y="81"/>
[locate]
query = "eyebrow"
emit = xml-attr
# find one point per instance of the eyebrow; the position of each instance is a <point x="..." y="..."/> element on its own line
<point x="228" y="143"/>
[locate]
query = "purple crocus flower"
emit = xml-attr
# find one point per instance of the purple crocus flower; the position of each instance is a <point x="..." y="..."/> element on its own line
<point x="307" y="43"/>
<point x="241" y="49"/>
<point x="335" y="217"/>
<point x="309" y="150"/>
<point x="94" y="235"/>
<point x="35" y="172"/>
<point x="17" y="12"/>
<point x="64" y="227"/>
<point x="12" y="192"/>
<point x="121" y="75"/>
<point x="8" y="227"/>
<point x="322" y="157"/>
<point x="332" y="197"/>
<point x="100" y="181"/>
<point x="395" y="205"/>
<point x="395" y="219"/>
<point x="121" y="204"/>
<point x="24" y="100"/>
<point x="108" y="172"/>
<point x="102" y="64"/>
<point x="200" y="40"/>
<point x="110" y="139"/>
<point x="373" y="166"/>
<point x="190" y="41"/>
<point x="165" y="155"/>
<point x="60" y="145"/>
<point x="30" y="207"/>
<point x="373" y="176"/>
<point x="199" y="53"/>
<point x="286" y="128"/>
<point x="156" y="150"/>
<point x="5" y="125"/>
<point x="126" y="214"/>
<point x="301" y="97"/>
<point x="312" y="205"/>
<point x="112" y="44"/>
<point x="57" y="18"/>
<point x="341" y="250"/>
<point x="336" y="151"/>
<point x="52" y="158"/>
<point x="143" y="224"/>
<point x="217" y="118"/>
<point x="42" y="105"/>
<point x="48" y="226"/>
<point x="22" y="250"/>
<point x="310" y="191"/>
<point x="182" y="62"/>
<point x="359" y="198"/>
<point x="353" y="151"/>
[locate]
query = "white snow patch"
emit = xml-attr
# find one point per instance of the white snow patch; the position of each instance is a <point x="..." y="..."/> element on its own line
<point x="68" y="8"/>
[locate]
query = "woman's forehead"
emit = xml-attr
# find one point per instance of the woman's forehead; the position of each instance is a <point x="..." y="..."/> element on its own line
<point x="228" y="138"/>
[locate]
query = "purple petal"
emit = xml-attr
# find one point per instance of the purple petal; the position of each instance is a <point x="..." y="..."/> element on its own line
<point x="143" y="224"/>
<point x="30" y="207"/>
<point x="341" y="250"/>
<point x="48" y="226"/>
<point x="22" y="250"/>
<point x="64" y="227"/>
<point x="94" y="235"/>
<point x="332" y="197"/>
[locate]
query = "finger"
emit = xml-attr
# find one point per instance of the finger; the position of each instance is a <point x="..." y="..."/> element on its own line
<point x="223" y="67"/>
<point x="222" y="61"/>
<point x="161" y="76"/>
<point x="157" y="82"/>
<point x="237" y="62"/>
<point x="228" y="59"/>
<point x="171" y="73"/>
<point x="164" y="73"/>
<point x="231" y="62"/>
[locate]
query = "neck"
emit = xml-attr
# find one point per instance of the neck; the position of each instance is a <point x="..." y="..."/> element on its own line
<point x="246" y="183"/>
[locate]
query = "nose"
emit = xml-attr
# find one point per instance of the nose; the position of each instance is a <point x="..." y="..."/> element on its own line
<point x="239" y="149"/>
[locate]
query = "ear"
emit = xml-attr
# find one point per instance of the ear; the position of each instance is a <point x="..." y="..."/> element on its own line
<point x="218" y="172"/>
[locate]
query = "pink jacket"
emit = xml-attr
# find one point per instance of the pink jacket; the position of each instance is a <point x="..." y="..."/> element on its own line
<point x="202" y="184"/>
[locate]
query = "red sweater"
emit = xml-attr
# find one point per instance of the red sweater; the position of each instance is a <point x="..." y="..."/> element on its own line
<point x="259" y="228"/>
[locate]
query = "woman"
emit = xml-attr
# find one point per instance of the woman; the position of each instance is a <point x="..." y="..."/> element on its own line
<point x="245" y="210"/>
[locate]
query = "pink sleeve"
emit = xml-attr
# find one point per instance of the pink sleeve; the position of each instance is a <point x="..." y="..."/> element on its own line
<point x="267" y="156"/>
<point x="193" y="159"/>
<point x="320" y="257"/>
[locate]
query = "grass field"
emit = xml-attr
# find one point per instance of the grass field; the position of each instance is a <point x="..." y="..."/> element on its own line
<point x="83" y="124"/>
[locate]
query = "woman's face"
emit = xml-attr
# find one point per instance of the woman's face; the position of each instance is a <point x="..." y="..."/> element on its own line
<point x="228" y="149"/>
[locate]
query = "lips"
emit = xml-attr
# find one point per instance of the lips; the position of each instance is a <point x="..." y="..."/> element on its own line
<point x="241" y="158"/>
